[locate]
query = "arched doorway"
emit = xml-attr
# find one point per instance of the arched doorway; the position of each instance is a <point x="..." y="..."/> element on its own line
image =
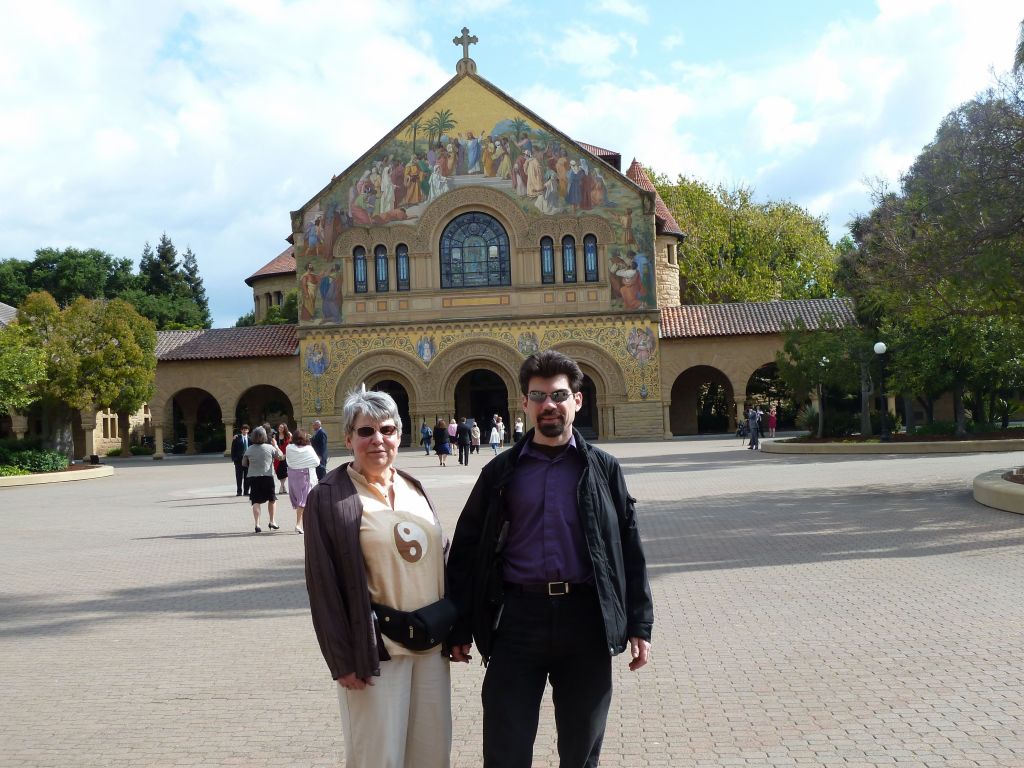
<point x="197" y="425"/>
<point x="767" y="389"/>
<point x="479" y="395"/>
<point x="264" y="404"/>
<point x="401" y="398"/>
<point x="702" y="402"/>
<point x="586" y="417"/>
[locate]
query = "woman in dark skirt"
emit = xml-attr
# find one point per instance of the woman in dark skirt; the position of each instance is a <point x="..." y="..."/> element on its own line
<point x="259" y="458"/>
<point x="442" y="442"/>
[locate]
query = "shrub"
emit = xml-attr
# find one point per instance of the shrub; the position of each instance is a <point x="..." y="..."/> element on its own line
<point x="114" y="452"/>
<point x="895" y="422"/>
<point x="837" y="423"/>
<point x="141" y="450"/>
<point x="6" y="470"/>
<point x="40" y="461"/>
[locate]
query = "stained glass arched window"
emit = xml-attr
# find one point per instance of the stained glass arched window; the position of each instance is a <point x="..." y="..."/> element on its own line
<point x="359" y="269"/>
<point x="474" y="252"/>
<point x="380" y="268"/>
<point x="547" y="260"/>
<point x="568" y="259"/>
<point x="402" y="267"/>
<point x="590" y="259"/>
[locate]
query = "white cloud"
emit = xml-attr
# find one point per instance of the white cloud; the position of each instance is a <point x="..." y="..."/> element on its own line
<point x="624" y="8"/>
<point x="592" y="53"/>
<point x="773" y="120"/>
<point x="672" y="41"/>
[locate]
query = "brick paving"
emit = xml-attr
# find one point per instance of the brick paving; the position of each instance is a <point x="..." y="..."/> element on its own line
<point x="817" y="611"/>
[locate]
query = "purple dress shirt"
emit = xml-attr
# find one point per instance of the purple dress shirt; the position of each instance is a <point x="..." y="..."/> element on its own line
<point x="545" y="538"/>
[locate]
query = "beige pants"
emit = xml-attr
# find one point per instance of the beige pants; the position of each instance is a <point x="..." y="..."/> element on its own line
<point x="404" y="720"/>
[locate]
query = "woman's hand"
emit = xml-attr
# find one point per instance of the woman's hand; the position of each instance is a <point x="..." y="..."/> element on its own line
<point x="352" y="683"/>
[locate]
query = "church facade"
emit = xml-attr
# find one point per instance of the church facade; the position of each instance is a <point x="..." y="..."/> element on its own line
<point x="472" y="235"/>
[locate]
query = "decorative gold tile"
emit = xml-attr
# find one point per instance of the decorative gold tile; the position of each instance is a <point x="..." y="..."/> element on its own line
<point x="549" y="298"/>
<point x="570" y="295"/>
<point x="382" y="306"/>
<point x="360" y="306"/>
<point x="591" y="295"/>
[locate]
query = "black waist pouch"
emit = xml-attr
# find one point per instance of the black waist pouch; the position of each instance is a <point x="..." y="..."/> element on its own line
<point x="418" y="630"/>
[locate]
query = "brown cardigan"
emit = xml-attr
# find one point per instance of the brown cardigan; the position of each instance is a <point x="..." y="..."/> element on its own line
<point x="339" y="599"/>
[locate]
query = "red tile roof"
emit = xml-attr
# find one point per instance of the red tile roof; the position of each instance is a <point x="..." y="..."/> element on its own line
<point x="610" y="156"/>
<point x="224" y="343"/>
<point x="696" y="320"/>
<point x="663" y="216"/>
<point x="282" y="264"/>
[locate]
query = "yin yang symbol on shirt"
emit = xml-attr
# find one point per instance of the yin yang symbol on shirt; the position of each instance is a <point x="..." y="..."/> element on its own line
<point x="411" y="541"/>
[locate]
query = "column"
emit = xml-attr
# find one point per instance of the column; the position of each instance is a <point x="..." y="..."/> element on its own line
<point x="739" y="400"/>
<point x="89" y="429"/>
<point x="229" y="434"/>
<point x="666" y="420"/>
<point x="190" y="438"/>
<point x="19" y="424"/>
<point x="158" y="441"/>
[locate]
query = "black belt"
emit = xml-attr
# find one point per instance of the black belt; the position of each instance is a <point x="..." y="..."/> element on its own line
<point x="549" y="589"/>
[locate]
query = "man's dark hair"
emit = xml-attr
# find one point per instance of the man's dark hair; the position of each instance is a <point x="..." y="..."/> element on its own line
<point x="547" y="365"/>
<point x="245" y="426"/>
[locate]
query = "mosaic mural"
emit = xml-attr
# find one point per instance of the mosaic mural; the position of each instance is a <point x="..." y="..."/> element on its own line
<point x="471" y="137"/>
<point x="632" y="346"/>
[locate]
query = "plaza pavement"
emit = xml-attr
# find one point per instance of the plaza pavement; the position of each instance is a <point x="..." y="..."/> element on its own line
<point x="818" y="611"/>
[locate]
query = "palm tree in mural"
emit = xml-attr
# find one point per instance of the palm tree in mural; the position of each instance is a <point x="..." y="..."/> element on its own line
<point x="432" y="132"/>
<point x="1018" y="59"/>
<point x="413" y="128"/>
<point x="443" y="121"/>
<point x="520" y="126"/>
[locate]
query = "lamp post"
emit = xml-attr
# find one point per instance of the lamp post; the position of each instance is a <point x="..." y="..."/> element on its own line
<point x="880" y="350"/>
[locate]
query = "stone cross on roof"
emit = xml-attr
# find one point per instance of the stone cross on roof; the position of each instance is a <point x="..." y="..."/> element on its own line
<point x="465" y="64"/>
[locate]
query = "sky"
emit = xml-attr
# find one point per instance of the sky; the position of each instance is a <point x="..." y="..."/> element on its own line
<point x="210" y="120"/>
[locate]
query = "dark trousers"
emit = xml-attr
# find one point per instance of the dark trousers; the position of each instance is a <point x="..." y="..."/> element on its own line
<point x="321" y="471"/>
<point x="464" y="454"/>
<point x="542" y="638"/>
<point x="241" y="478"/>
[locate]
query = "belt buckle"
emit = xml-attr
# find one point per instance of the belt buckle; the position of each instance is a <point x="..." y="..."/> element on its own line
<point x="555" y="585"/>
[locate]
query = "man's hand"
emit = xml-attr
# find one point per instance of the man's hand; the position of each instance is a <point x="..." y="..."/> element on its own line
<point x="640" y="650"/>
<point x="461" y="652"/>
<point x="352" y="683"/>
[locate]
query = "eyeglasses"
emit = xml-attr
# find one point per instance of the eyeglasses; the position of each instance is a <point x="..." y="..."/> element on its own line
<point x="558" y="396"/>
<point x="388" y="430"/>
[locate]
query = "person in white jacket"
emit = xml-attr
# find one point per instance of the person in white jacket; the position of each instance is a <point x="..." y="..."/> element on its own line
<point x="302" y="463"/>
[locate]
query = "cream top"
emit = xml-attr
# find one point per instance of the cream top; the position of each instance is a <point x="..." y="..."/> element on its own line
<point x="402" y="546"/>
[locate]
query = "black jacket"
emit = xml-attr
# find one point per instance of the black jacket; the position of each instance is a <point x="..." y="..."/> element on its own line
<point x="237" y="448"/>
<point x="319" y="443"/>
<point x="463" y="434"/>
<point x="608" y="515"/>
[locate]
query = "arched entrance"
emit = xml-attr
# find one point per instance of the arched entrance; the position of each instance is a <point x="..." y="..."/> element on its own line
<point x="401" y="398"/>
<point x="586" y="418"/>
<point x="702" y="402"/>
<point x="479" y="394"/>
<point x="197" y="425"/>
<point x="264" y="404"/>
<point x="767" y="389"/>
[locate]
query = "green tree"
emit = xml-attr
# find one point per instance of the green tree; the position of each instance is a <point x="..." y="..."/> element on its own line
<point x="14" y="281"/>
<point x="194" y="283"/>
<point x="247" y="320"/>
<point x="22" y="366"/>
<point x="740" y="250"/>
<point x="519" y="126"/>
<point x="1018" y="56"/>
<point x="65" y="274"/>
<point x="412" y="130"/>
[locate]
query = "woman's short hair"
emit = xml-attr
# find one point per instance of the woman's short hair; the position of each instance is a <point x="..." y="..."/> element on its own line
<point x="300" y="437"/>
<point x="441" y="424"/>
<point x="258" y="436"/>
<point x="378" y="406"/>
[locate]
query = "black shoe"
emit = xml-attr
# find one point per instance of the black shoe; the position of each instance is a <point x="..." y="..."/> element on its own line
<point x="273" y="526"/>
<point x="238" y="493"/>
<point x="257" y="529"/>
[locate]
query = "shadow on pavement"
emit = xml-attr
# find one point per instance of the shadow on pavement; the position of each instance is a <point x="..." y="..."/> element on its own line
<point x="758" y="529"/>
<point x="248" y="593"/>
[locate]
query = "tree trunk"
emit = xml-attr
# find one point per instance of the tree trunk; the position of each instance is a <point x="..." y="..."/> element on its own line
<point x="908" y="414"/>
<point x="958" y="409"/>
<point x="978" y="407"/>
<point x="865" y="399"/>
<point x="821" y="411"/>
<point x="928" y="406"/>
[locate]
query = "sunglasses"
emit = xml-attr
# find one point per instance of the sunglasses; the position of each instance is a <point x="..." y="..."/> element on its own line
<point x="558" y="396"/>
<point x="388" y="430"/>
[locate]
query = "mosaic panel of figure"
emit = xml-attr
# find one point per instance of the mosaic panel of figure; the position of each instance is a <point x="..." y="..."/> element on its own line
<point x="470" y="137"/>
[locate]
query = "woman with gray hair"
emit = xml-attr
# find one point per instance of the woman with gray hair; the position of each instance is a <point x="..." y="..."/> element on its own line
<point x="375" y="576"/>
<point x="259" y="458"/>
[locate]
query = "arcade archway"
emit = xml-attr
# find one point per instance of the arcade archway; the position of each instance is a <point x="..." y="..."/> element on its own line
<point x="264" y="404"/>
<point x="702" y="402"/>
<point x="479" y="394"/>
<point x="197" y="424"/>
<point x="767" y="389"/>
<point x="401" y="397"/>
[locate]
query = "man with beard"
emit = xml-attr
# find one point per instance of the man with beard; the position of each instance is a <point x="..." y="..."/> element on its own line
<point x="548" y="574"/>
